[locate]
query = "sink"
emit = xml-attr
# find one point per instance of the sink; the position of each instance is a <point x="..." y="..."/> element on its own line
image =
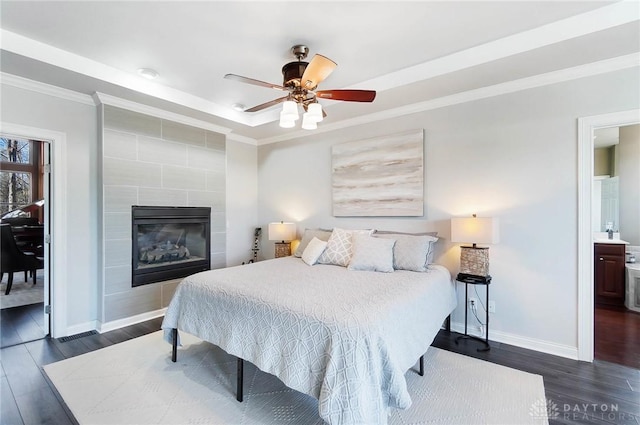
<point x="605" y="235"/>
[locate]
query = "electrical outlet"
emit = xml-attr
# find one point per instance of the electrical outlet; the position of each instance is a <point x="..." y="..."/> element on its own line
<point x="473" y="304"/>
<point x="492" y="306"/>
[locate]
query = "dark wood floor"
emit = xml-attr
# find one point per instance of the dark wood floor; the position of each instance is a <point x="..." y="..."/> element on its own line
<point x="617" y="336"/>
<point x="21" y="324"/>
<point x="584" y="389"/>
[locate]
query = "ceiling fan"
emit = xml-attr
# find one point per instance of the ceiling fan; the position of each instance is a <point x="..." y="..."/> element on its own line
<point x="300" y="81"/>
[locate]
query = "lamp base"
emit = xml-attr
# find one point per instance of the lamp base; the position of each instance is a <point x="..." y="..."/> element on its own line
<point x="474" y="261"/>
<point x="283" y="249"/>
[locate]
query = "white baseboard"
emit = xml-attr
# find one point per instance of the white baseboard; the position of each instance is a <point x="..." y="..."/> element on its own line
<point x="523" y="342"/>
<point x="128" y="321"/>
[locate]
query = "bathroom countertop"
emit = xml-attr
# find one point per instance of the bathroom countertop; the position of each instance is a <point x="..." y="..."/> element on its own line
<point x="614" y="241"/>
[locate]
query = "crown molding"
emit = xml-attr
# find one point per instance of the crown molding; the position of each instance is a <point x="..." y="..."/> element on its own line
<point x="43" y="88"/>
<point x="51" y="55"/>
<point x="603" y="18"/>
<point x="106" y="99"/>
<point x="241" y="139"/>
<point x="568" y="74"/>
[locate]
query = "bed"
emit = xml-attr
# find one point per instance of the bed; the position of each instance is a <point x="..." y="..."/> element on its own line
<point x="345" y="337"/>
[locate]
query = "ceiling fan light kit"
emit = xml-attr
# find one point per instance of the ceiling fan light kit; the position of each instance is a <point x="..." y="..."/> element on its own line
<point x="289" y="111"/>
<point x="300" y="79"/>
<point x="308" y="123"/>
<point x="315" y="112"/>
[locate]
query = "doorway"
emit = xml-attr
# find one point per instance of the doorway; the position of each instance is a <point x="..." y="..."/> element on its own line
<point x="616" y="208"/>
<point x="586" y="305"/>
<point x="25" y="205"/>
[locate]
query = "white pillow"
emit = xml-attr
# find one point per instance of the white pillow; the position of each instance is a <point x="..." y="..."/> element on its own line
<point x="373" y="254"/>
<point x="338" y="249"/>
<point x="322" y="234"/>
<point x="411" y="252"/>
<point x="312" y="252"/>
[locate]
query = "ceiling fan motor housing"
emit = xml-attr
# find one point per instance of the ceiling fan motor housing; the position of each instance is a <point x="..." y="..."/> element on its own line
<point x="292" y="73"/>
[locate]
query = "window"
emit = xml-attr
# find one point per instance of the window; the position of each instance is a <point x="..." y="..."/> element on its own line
<point x="18" y="167"/>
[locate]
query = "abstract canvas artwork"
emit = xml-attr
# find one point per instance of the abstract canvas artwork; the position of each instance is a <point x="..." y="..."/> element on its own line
<point x="383" y="176"/>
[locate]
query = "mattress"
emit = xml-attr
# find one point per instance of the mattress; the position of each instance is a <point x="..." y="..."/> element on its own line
<point x="344" y="337"/>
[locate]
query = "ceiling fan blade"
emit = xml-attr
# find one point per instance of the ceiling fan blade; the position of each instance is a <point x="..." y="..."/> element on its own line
<point x="266" y="104"/>
<point x="348" y="95"/>
<point x="253" y="81"/>
<point x="318" y="69"/>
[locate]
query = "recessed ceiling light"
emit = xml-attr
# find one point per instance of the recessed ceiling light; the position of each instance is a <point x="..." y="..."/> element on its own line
<point x="238" y="107"/>
<point x="148" y="73"/>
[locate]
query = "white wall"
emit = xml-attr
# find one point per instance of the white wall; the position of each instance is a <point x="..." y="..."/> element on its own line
<point x="79" y="123"/>
<point x="629" y="191"/>
<point x="514" y="157"/>
<point x="82" y="244"/>
<point x="242" y="193"/>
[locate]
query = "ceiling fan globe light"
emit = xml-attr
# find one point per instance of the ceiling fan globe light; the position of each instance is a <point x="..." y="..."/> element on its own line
<point x="315" y="112"/>
<point x="284" y="123"/>
<point x="308" y="122"/>
<point x="289" y="111"/>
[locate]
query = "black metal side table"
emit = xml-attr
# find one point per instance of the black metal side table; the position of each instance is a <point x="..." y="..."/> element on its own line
<point x="469" y="279"/>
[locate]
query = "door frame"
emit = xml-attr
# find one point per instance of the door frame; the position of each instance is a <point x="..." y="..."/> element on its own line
<point x="586" y="126"/>
<point x="57" y="258"/>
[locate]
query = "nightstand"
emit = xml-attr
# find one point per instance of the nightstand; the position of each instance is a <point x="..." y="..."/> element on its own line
<point x="468" y="279"/>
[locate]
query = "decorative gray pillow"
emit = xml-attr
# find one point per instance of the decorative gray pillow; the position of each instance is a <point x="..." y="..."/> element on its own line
<point x="373" y="254"/>
<point x="339" y="247"/>
<point x="322" y="234"/>
<point x="412" y="252"/>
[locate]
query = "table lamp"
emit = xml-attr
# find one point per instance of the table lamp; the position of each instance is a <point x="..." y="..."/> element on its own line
<point x="285" y="233"/>
<point x="474" y="260"/>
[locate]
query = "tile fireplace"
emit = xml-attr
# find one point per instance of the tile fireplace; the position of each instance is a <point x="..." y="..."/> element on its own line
<point x="169" y="242"/>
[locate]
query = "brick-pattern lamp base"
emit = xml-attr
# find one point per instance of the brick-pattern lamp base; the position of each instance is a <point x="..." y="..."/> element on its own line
<point x="283" y="249"/>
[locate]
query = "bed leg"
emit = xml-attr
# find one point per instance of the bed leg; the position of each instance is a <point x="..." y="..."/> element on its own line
<point x="447" y="322"/>
<point x="174" y="343"/>
<point x="421" y="373"/>
<point x="239" y="383"/>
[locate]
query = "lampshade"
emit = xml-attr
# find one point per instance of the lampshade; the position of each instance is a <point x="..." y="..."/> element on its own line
<point x="474" y="261"/>
<point x="474" y="230"/>
<point x="286" y="122"/>
<point x="308" y="122"/>
<point x="282" y="231"/>
<point x="315" y="112"/>
<point x="289" y="111"/>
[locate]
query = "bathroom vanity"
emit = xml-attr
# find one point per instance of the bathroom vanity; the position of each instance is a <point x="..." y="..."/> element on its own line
<point x="609" y="273"/>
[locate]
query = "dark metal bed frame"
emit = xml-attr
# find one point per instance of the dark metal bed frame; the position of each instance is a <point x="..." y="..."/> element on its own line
<point x="240" y="373"/>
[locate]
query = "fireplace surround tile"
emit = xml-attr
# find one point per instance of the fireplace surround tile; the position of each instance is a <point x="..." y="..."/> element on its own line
<point x="160" y="197"/>
<point x="175" y="165"/>
<point x="161" y="152"/>
<point x="120" y="145"/>
<point x="123" y="172"/>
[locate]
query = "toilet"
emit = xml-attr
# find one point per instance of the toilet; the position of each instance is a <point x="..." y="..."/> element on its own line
<point x="632" y="290"/>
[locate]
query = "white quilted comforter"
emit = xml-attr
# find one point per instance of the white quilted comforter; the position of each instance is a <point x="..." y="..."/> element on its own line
<point x="344" y="337"/>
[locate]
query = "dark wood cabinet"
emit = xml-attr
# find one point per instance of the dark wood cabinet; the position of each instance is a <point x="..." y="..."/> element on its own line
<point x="609" y="264"/>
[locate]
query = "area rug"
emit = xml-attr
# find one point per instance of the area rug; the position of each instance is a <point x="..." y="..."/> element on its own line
<point x="135" y="382"/>
<point x="22" y="293"/>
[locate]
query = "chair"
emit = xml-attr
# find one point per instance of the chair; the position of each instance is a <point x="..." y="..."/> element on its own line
<point x="14" y="260"/>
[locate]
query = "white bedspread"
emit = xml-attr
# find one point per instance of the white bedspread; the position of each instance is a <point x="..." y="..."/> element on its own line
<point x="344" y="337"/>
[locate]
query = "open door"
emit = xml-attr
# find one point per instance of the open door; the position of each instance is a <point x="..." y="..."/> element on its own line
<point x="46" y="186"/>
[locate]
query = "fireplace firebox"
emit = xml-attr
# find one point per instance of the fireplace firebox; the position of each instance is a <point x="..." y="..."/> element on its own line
<point x="169" y="243"/>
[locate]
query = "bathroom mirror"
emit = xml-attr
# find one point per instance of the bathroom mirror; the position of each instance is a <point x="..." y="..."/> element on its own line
<point x="616" y="173"/>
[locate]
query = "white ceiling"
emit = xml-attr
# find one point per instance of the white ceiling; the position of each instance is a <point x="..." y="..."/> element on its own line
<point x="409" y="52"/>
